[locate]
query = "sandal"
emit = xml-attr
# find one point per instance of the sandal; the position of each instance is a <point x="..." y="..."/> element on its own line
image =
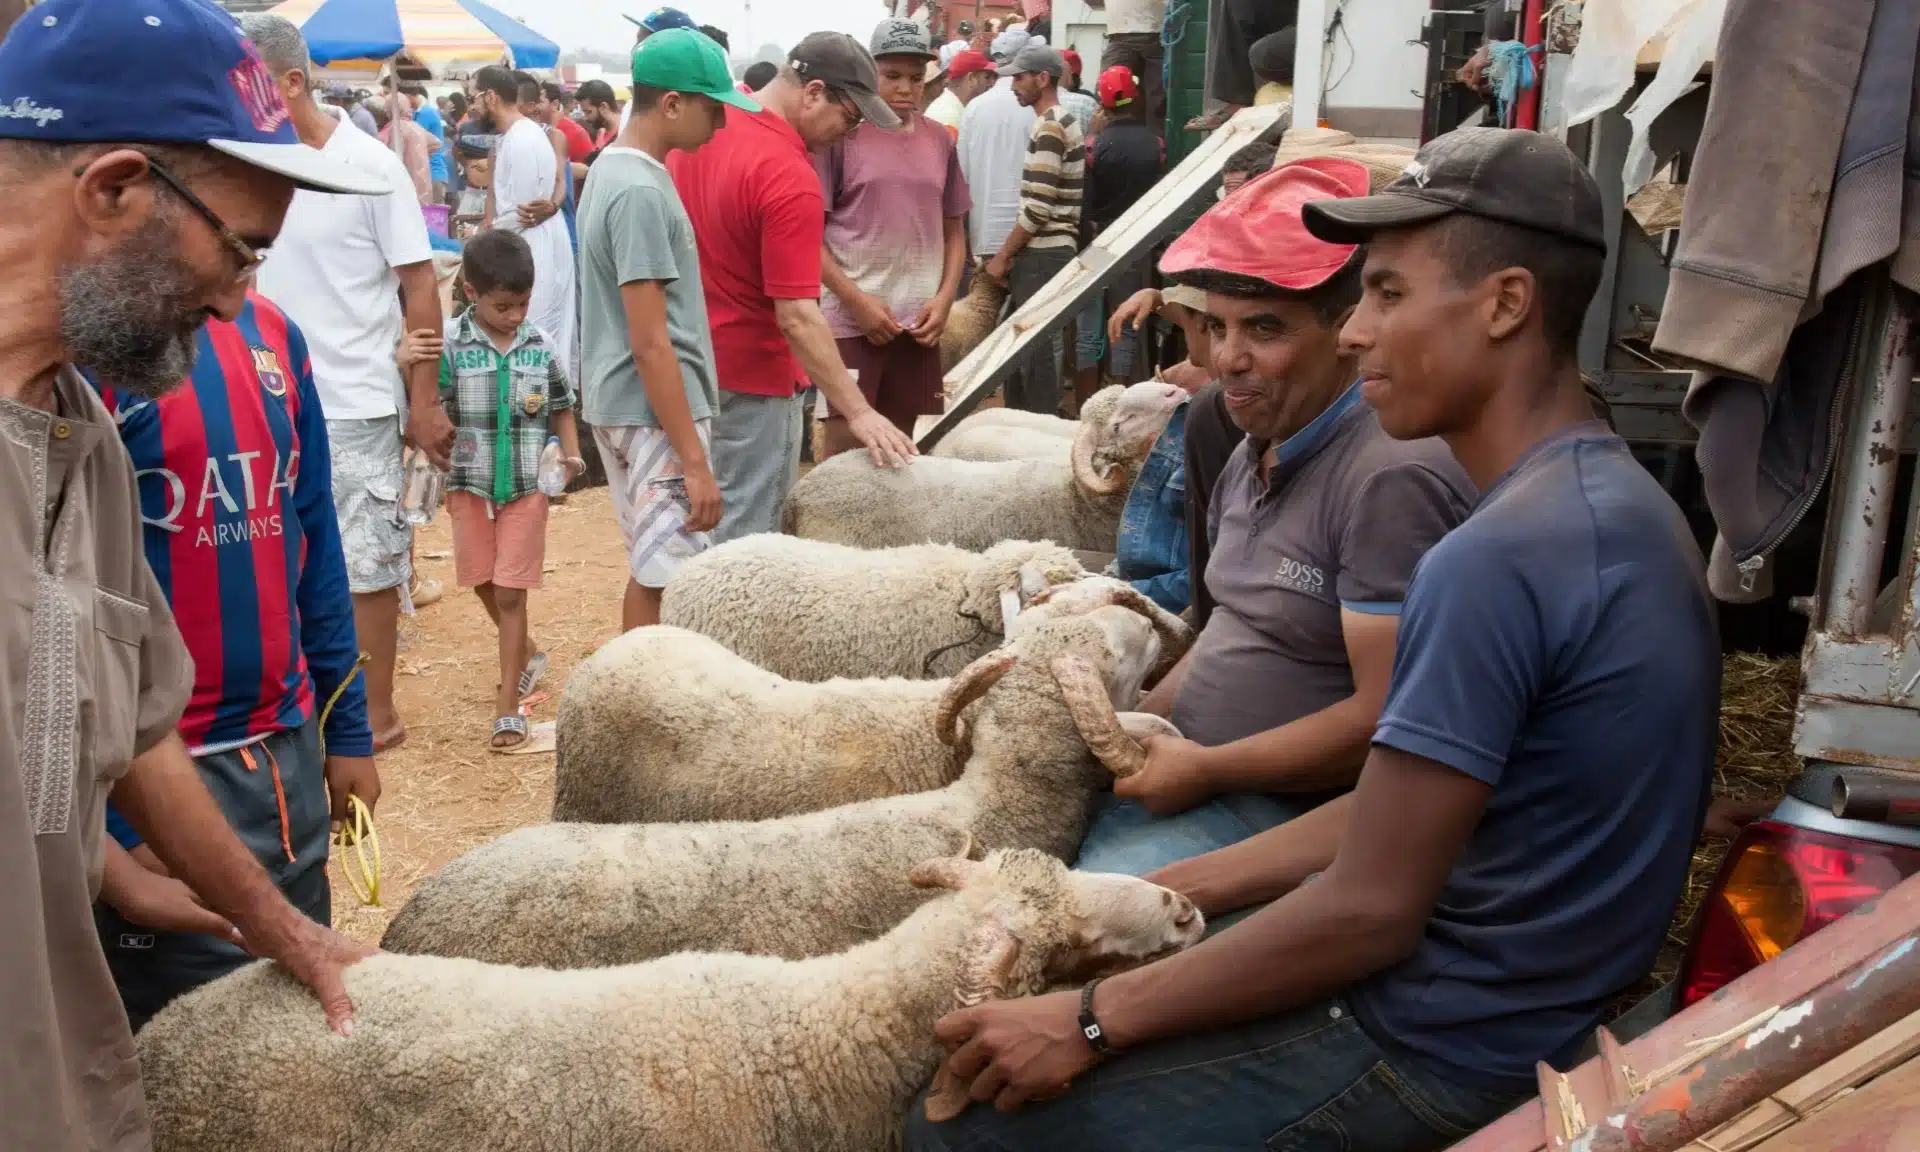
<point x="530" y="675"/>
<point x="515" y="725"/>
<point x="1211" y="121"/>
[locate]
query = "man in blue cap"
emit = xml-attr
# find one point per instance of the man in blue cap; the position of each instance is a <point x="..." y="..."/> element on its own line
<point x="659" y="20"/>
<point x="130" y="225"/>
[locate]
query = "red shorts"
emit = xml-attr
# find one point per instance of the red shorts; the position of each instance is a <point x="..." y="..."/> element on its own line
<point x="507" y="548"/>
<point x="901" y="378"/>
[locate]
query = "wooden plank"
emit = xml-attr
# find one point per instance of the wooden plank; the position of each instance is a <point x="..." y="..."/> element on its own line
<point x="1881" y="1117"/>
<point x="1888" y="1049"/>
<point x="1130" y="238"/>
<point x="1797" y="972"/>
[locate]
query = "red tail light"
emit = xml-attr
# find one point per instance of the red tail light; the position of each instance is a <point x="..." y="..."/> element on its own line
<point x="1779" y="884"/>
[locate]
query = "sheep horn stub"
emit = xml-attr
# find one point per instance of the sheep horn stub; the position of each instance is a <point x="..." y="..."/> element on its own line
<point x="971" y="683"/>
<point x="1084" y="472"/>
<point x="985" y="968"/>
<point x="1093" y="714"/>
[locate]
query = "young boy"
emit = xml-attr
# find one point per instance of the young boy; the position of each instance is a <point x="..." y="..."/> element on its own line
<point x="505" y="391"/>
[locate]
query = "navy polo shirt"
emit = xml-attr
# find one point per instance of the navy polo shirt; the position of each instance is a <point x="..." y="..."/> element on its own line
<point x="1560" y="647"/>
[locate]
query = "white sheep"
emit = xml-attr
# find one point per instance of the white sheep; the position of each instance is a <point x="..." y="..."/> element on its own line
<point x="590" y="895"/>
<point x="698" y="1052"/>
<point x="977" y="504"/>
<point x="664" y="724"/>
<point x="1011" y="434"/>
<point x="814" y="610"/>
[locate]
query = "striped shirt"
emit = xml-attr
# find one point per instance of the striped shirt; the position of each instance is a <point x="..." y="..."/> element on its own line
<point x="1054" y="180"/>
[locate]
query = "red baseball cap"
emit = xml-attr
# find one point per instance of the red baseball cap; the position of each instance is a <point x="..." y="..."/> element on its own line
<point x="1073" y="61"/>
<point x="966" y="63"/>
<point x="1258" y="232"/>
<point x="1117" y="87"/>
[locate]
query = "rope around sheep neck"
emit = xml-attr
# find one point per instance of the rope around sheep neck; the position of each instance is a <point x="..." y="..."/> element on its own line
<point x="979" y="630"/>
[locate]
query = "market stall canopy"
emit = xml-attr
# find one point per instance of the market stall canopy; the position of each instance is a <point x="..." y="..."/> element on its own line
<point x="440" y="34"/>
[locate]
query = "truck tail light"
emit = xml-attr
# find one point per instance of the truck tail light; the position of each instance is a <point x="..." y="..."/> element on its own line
<point x="1777" y="885"/>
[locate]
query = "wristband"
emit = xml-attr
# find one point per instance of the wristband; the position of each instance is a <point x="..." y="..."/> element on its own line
<point x="1090" y="1024"/>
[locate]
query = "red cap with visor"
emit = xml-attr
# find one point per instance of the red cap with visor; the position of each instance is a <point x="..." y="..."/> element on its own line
<point x="1258" y="233"/>
<point x="966" y="63"/>
<point x="1073" y="61"/>
<point x="1117" y="87"/>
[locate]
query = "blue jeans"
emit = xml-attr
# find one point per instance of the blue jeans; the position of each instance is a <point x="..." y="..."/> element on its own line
<point x="1124" y="837"/>
<point x="1311" y="1080"/>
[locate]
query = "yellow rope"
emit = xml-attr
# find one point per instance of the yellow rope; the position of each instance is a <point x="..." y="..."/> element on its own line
<point x="357" y="834"/>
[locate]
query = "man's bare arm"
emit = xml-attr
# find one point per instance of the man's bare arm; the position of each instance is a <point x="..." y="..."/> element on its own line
<point x="1263" y="867"/>
<point x="427" y="422"/>
<point x="808" y="334"/>
<point x="1411" y="818"/>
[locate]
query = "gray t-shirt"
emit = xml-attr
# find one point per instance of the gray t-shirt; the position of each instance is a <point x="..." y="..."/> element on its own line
<point x="633" y="228"/>
<point x="1348" y="513"/>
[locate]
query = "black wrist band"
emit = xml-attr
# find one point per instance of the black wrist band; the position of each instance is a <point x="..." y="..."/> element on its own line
<point x="1090" y="1024"/>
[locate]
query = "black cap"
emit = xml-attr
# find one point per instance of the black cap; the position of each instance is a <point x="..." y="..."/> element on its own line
<point x="1507" y="174"/>
<point x="838" y="61"/>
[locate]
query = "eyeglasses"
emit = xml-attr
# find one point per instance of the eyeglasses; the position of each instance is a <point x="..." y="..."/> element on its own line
<point x="848" y="112"/>
<point x="250" y="260"/>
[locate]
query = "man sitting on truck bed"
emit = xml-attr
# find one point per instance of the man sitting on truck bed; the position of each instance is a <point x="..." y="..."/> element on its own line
<point x="1317" y="522"/>
<point x="1523" y="826"/>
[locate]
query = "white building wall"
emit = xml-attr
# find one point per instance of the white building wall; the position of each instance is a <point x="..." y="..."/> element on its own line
<point x="1372" y="71"/>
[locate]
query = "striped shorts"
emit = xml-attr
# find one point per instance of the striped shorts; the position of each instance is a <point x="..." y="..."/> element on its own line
<point x="650" y="498"/>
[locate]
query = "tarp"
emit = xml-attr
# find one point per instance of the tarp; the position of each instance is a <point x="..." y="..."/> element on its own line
<point x="440" y="34"/>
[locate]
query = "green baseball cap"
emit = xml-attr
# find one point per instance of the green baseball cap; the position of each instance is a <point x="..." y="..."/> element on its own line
<point x="683" y="60"/>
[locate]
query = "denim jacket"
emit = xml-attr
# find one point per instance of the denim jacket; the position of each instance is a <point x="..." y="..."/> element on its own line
<point x="1151" y="553"/>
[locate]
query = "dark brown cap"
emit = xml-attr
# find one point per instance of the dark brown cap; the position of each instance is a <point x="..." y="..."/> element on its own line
<point x="1511" y="175"/>
<point x="842" y="64"/>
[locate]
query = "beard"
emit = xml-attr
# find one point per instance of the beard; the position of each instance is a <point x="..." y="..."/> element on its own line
<point x="130" y="314"/>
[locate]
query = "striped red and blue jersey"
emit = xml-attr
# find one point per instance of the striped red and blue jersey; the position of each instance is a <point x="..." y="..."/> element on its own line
<point x="236" y="495"/>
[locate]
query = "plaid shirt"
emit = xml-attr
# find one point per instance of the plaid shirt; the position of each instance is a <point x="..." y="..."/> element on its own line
<point x="485" y="392"/>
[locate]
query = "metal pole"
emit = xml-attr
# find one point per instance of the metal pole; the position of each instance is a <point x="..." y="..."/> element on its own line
<point x="1798" y="1039"/>
<point x="1309" y="53"/>
<point x="1863" y="503"/>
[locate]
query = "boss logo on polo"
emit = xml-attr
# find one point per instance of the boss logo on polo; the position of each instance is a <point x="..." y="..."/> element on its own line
<point x="1300" y="577"/>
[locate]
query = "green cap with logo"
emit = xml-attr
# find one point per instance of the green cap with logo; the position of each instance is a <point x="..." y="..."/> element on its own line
<point x="683" y="60"/>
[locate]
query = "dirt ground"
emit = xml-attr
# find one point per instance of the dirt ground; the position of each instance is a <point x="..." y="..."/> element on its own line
<point x="443" y="792"/>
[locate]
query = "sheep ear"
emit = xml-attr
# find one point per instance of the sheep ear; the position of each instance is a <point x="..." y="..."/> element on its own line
<point x="1033" y="581"/>
<point x="950" y="872"/>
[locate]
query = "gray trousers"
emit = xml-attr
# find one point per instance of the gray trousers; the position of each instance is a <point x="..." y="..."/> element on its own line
<point x="756" y="458"/>
<point x="1233" y="26"/>
<point x="1035" y="385"/>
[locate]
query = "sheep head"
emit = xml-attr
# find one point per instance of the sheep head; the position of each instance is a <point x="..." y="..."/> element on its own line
<point x="1108" y="453"/>
<point x="1094" y="592"/>
<point x="1025" y="568"/>
<point x="1041" y="924"/>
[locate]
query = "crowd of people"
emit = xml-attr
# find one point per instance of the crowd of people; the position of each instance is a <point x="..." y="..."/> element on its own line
<point x="1427" y="582"/>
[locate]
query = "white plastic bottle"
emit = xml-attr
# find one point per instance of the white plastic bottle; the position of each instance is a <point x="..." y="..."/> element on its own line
<point x="553" y="469"/>
<point x="421" y="488"/>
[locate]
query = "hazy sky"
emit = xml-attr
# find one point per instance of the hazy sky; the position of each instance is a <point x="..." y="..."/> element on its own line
<point x="597" y="24"/>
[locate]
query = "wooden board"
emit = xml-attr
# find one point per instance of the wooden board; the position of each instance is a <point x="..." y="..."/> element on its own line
<point x="1130" y="238"/>
<point x="1881" y="1117"/>
<point x="1890" y="1048"/>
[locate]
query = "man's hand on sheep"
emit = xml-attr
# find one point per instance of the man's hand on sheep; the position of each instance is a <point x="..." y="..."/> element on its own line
<point x="1174" y="780"/>
<point x="888" y="446"/>
<point x="318" y="957"/>
<point x="1014" y="1051"/>
<point x="927" y="327"/>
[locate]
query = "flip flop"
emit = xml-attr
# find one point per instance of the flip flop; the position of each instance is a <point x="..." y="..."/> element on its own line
<point x="390" y="745"/>
<point x="530" y="675"/>
<point x="515" y="725"/>
<point x="541" y="737"/>
<point x="1211" y="121"/>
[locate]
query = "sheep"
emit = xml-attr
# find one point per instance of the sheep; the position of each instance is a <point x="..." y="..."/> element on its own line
<point x="1010" y="434"/>
<point x="971" y="321"/>
<point x="664" y="724"/>
<point x="977" y="504"/>
<point x="592" y="895"/>
<point x="697" y="1052"/>
<point x="813" y="610"/>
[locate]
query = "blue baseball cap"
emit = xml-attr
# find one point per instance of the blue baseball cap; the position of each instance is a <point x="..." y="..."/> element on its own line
<point x="661" y="19"/>
<point x="199" y="82"/>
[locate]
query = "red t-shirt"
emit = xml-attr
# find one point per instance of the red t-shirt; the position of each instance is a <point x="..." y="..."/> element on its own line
<point x="579" y="144"/>
<point x="758" y="220"/>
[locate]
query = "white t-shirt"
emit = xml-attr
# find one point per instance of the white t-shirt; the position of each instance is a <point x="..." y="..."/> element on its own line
<point x="1135" y="15"/>
<point x="993" y="153"/>
<point x="947" y="109"/>
<point x="333" y="272"/>
<point x="525" y="168"/>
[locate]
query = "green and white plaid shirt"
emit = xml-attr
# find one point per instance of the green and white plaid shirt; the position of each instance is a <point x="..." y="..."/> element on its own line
<point x="499" y="406"/>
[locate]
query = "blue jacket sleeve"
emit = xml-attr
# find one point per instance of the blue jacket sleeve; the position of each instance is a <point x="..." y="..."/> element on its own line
<point x="121" y="831"/>
<point x="326" y="608"/>
<point x="1170" y="590"/>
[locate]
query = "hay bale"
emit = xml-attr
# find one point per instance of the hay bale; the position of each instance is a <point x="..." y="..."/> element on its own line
<point x="972" y="320"/>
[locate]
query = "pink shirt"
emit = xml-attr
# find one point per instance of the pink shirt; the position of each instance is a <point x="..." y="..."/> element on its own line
<point x="888" y="196"/>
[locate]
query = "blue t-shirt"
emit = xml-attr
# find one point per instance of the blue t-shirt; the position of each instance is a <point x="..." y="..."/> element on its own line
<point x="1559" y="646"/>
<point x="428" y="117"/>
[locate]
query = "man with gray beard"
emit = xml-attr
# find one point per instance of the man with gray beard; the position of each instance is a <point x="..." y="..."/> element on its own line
<point x="128" y="226"/>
